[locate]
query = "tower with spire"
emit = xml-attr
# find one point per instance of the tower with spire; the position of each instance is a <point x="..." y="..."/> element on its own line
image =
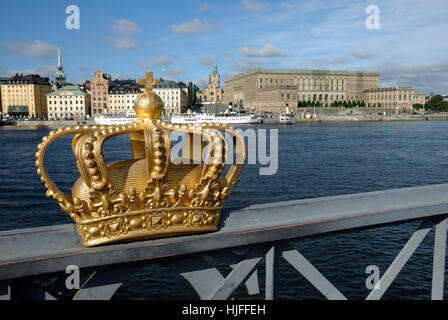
<point x="213" y="92"/>
<point x="214" y="77"/>
<point x="60" y="74"/>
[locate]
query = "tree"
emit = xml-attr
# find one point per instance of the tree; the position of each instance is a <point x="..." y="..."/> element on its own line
<point x="190" y="92"/>
<point x="437" y="104"/>
<point x="418" y="106"/>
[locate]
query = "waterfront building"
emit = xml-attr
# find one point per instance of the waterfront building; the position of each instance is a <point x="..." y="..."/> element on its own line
<point x="419" y="98"/>
<point x="399" y="99"/>
<point x="60" y="74"/>
<point x="122" y="96"/>
<point x="68" y="101"/>
<point x="99" y="90"/>
<point x="173" y="95"/>
<point x="274" y="90"/>
<point x="24" y="96"/>
<point x="213" y="91"/>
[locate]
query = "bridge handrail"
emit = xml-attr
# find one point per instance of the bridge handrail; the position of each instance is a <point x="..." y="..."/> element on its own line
<point x="42" y="250"/>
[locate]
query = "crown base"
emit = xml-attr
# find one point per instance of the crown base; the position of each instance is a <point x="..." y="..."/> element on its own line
<point x="142" y="225"/>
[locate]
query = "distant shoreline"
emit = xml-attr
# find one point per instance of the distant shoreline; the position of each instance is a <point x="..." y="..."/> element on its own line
<point x="54" y="124"/>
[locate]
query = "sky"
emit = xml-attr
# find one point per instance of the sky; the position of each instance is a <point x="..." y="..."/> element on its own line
<point x="183" y="39"/>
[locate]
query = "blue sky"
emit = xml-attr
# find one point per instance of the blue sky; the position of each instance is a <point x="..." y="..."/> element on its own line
<point x="185" y="38"/>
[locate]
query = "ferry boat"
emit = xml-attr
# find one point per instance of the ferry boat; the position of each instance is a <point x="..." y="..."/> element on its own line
<point x="287" y="117"/>
<point x="224" y="118"/>
<point x="107" y="120"/>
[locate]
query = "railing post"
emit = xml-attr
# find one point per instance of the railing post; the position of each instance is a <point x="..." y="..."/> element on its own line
<point x="438" y="271"/>
<point x="5" y="290"/>
<point x="272" y="259"/>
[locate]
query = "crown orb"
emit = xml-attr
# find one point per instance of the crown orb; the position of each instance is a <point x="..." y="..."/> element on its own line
<point x="148" y="106"/>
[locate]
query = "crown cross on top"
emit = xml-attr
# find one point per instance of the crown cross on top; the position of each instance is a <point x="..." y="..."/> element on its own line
<point x="149" y="82"/>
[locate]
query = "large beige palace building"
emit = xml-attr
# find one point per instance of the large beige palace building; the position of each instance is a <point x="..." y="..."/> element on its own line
<point x="399" y="99"/>
<point x="273" y="90"/>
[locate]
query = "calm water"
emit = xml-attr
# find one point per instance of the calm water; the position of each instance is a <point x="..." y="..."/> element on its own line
<point x="316" y="160"/>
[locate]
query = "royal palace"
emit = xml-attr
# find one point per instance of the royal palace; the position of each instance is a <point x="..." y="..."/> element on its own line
<point x="273" y="90"/>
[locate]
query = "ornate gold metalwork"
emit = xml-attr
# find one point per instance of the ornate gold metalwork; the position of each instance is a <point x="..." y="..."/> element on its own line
<point x="147" y="196"/>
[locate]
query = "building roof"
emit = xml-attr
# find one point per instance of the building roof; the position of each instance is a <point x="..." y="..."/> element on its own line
<point x="29" y="79"/>
<point x="124" y="89"/>
<point x="75" y="90"/>
<point x="306" y="72"/>
<point x="167" y="84"/>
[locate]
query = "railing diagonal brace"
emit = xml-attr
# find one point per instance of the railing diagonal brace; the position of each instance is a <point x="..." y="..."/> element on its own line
<point x="301" y="264"/>
<point x="232" y="260"/>
<point x="238" y="274"/>
<point x="103" y="283"/>
<point x="400" y="260"/>
<point x="203" y="277"/>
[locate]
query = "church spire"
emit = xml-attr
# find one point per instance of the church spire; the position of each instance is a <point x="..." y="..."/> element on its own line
<point x="60" y="74"/>
<point x="59" y="59"/>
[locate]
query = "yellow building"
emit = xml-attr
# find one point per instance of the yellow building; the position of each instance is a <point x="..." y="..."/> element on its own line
<point x="122" y="96"/>
<point x="173" y="95"/>
<point x="24" y="96"/>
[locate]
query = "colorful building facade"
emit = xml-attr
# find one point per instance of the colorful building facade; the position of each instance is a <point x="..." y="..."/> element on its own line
<point x="25" y="96"/>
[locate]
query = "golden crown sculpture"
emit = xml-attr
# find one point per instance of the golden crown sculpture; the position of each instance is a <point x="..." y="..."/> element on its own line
<point x="148" y="196"/>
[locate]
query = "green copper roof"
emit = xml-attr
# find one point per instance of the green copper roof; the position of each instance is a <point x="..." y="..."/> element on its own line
<point x="75" y="90"/>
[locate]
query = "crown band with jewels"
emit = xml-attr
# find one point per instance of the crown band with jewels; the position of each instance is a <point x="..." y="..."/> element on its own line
<point x="147" y="196"/>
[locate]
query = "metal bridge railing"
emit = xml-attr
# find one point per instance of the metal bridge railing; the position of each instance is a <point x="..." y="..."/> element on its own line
<point x="29" y="255"/>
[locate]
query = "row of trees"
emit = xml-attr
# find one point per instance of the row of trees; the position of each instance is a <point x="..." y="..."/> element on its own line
<point x="193" y="89"/>
<point x="338" y="104"/>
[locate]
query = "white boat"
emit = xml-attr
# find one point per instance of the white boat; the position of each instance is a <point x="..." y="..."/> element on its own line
<point x="224" y="118"/>
<point x="286" y="119"/>
<point x="107" y="120"/>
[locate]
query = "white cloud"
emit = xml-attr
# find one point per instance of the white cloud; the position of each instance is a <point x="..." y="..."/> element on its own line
<point x="246" y="65"/>
<point x="32" y="48"/>
<point x="191" y="27"/>
<point x="125" y="43"/>
<point x="432" y="76"/>
<point x="269" y="50"/>
<point x="362" y="54"/>
<point x="174" y="71"/>
<point x="159" y="61"/>
<point x="125" y="27"/>
<point x="252" y="5"/>
<point x="208" y="61"/>
<point x="43" y="71"/>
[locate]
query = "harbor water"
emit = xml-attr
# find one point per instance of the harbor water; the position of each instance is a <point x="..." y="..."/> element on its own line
<point x="315" y="160"/>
